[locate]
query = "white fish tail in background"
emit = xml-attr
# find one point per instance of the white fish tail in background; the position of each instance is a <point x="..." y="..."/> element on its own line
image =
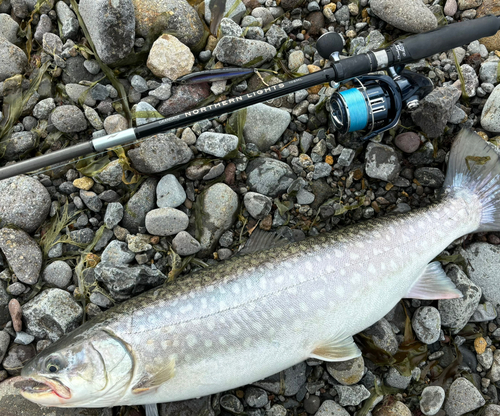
<point x="259" y="313"/>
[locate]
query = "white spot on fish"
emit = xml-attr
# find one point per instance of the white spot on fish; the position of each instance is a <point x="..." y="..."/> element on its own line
<point x="222" y="341"/>
<point x="411" y="229"/>
<point x="340" y="290"/>
<point x="393" y="266"/>
<point x="280" y="279"/>
<point x="353" y="255"/>
<point x="247" y="342"/>
<point x="318" y="258"/>
<point x="208" y="343"/>
<point x="376" y="251"/>
<point x="342" y="272"/>
<point x="329" y="268"/>
<point x="271" y="331"/>
<point x="263" y="283"/>
<point x="303" y="307"/>
<point x="191" y="340"/>
<point x="277" y="313"/>
<point x="338" y="254"/>
<point x="257" y="326"/>
<point x="382" y="266"/>
<point x="176" y="343"/>
<point x="186" y="308"/>
<point x="204" y="303"/>
<point x="292" y="290"/>
<point x="316" y="294"/>
<point x="235" y="330"/>
<point x="356" y="278"/>
<point x="210" y="324"/>
<point x="167" y="314"/>
<point x="359" y="244"/>
<point x="235" y="288"/>
<point x="371" y="269"/>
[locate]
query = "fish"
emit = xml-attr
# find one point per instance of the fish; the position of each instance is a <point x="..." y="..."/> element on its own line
<point x="270" y="307"/>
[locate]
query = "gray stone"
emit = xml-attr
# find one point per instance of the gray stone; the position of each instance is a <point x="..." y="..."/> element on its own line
<point x="276" y="36"/>
<point x="217" y="144"/>
<point x="408" y="15"/>
<point x="488" y="72"/>
<point x="122" y="282"/>
<point x="426" y="323"/>
<point x="68" y="119"/>
<point x="159" y="153"/>
<point x="184" y="98"/>
<point x="492" y="410"/>
<point x="22" y="253"/>
<point x="485" y="359"/>
<point x="145" y="113"/>
<point x="485" y="312"/>
<point x="381" y="162"/>
<point x="236" y="12"/>
<point x="52" y="44"/>
<point x="352" y="395"/>
<point x="16" y="289"/>
<point x="457" y="115"/>
<point x="257" y="205"/>
<point x="104" y="240"/>
<point x="44" y="26"/>
<point x="218" y="210"/>
<point x="74" y="72"/>
<point x="276" y="410"/>
<point x="395" y="379"/>
<point x="117" y="254"/>
<point x="455" y="313"/>
<point x="139" y="205"/>
<point x="23" y="338"/>
<point x="347" y="372"/>
<point x="483" y="262"/>
<point x="463" y="397"/>
<point x="169" y="192"/>
<point x="139" y="83"/>
<point x="19" y="143"/>
<point x="8" y="28"/>
<point x="490" y="117"/>
<point x="431" y="177"/>
<point x="383" y="336"/>
<point x="52" y="314"/>
<point x="80" y="93"/>
<point x="231" y="403"/>
<point x="101" y="300"/>
<point x="256" y="397"/>
<point x="269" y="176"/>
<point x="58" y="274"/>
<point x="185" y="244"/>
<point x="111" y="174"/>
<point x="240" y="52"/>
<point x="166" y="221"/>
<point x="432" y="400"/>
<point x="305" y="197"/>
<point x="330" y="408"/>
<point x="228" y="27"/>
<point x="163" y="92"/>
<point x="346" y="157"/>
<point x="43" y="108"/>
<point x="372" y="42"/>
<point x="91" y="200"/>
<point x="139" y="243"/>
<point x="16" y="357"/>
<point x="114" y="214"/>
<point x="471" y="80"/>
<point x="4" y="344"/>
<point x="202" y="406"/>
<point x="288" y="382"/>
<point x="13" y="60"/>
<point x="494" y="373"/>
<point x="435" y="110"/>
<point x="408" y="142"/>
<point x="68" y="20"/>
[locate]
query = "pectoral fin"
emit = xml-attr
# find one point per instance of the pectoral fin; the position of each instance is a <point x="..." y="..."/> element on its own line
<point x="434" y="284"/>
<point x="153" y="381"/>
<point x="336" y="350"/>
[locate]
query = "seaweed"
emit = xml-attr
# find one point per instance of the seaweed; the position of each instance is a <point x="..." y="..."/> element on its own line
<point x="461" y="76"/>
<point x="478" y="160"/>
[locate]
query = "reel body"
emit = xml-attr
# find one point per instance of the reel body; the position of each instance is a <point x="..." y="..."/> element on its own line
<point x="375" y="102"/>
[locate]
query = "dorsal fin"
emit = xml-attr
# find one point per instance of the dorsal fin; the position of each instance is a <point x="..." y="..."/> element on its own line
<point x="262" y="240"/>
<point x="434" y="284"/>
<point x="153" y="381"/>
<point x="336" y="350"/>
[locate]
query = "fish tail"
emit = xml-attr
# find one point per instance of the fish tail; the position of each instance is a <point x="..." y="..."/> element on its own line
<point x="474" y="166"/>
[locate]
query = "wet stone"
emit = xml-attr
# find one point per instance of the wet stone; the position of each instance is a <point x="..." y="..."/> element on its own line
<point x="485" y="312"/>
<point x="352" y="395"/>
<point x="381" y="162"/>
<point x="294" y="378"/>
<point x="23" y="338"/>
<point x="311" y="404"/>
<point x="16" y="357"/>
<point x="166" y="221"/>
<point x="397" y="380"/>
<point x="485" y="359"/>
<point x="117" y="253"/>
<point x="185" y="245"/>
<point x="463" y="397"/>
<point x="383" y="336"/>
<point x="4" y="344"/>
<point x="68" y="119"/>
<point x="113" y="215"/>
<point x="432" y="400"/>
<point x="52" y="314"/>
<point x="217" y="144"/>
<point x="426" y="323"/>
<point x="58" y="274"/>
<point x="100" y="300"/>
<point x="330" y="408"/>
<point x="347" y="372"/>
<point x="269" y="176"/>
<point x="257" y="205"/>
<point x="139" y="205"/>
<point x="231" y="403"/>
<point x="256" y="397"/>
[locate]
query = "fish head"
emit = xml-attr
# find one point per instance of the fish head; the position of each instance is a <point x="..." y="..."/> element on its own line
<point x="84" y="371"/>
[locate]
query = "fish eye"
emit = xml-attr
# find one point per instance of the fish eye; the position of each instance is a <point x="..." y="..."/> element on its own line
<point x="53" y="364"/>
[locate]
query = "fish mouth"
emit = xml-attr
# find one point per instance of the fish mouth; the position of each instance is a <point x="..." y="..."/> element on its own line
<point x="31" y="388"/>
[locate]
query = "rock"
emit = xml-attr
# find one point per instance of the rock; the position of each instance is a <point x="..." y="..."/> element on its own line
<point x="185" y="245"/>
<point x="58" y="274"/>
<point x="228" y="27"/>
<point x="145" y="113"/>
<point x="170" y="58"/>
<point x="139" y="205"/>
<point x="23" y="338"/>
<point x="492" y="410"/>
<point x="471" y="80"/>
<point x="52" y="44"/>
<point x="69" y="22"/>
<point x="435" y="110"/>
<point x="257" y="205"/>
<point x="330" y="408"/>
<point x="218" y="209"/>
<point x="22" y="253"/>
<point x="13" y="60"/>
<point x="184" y="98"/>
<point x="169" y="192"/>
<point x="488" y="72"/>
<point x="51" y="314"/>
<point x="426" y="323"/>
<point x="111" y="26"/>
<point x="432" y="400"/>
<point x="159" y="153"/>
<point x="494" y="373"/>
<point x="166" y="221"/>
<point x="8" y="28"/>
<point x="383" y="336"/>
<point x="25" y="203"/>
<point x="392" y="408"/>
<point x="115" y="123"/>
<point x="490" y="117"/>
<point x="312" y="404"/>
<point x="84" y="183"/>
<point x="241" y="52"/>
<point x="485" y="312"/>
<point x="80" y="93"/>
<point x="43" y="108"/>
<point x="293" y="379"/>
<point x="114" y="214"/>
<point x="485" y="359"/>
<point x="19" y="143"/>
<point x="455" y="313"/>
<point x="111" y="174"/>
<point x="450" y="8"/>
<point x="256" y="397"/>
<point x="176" y="17"/>
<point x="16" y="314"/>
<point x="463" y="397"/>
<point x="122" y="282"/>
<point x="276" y="410"/>
<point x="352" y="395"/>
<point x="68" y="119"/>
<point x="373" y="41"/>
<point x="411" y="16"/>
<point x="265" y="125"/>
<point x="483" y="262"/>
<point x="202" y="406"/>
<point x="231" y="403"/>
<point x="4" y="304"/>
<point x="408" y="142"/>
<point x="276" y="36"/>
<point x="431" y="177"/>
<point x="117" y="254"/>
<point x="457" y="115"/>
<point x="17" y="356"/>
<point x="347" y="372"/>
<point x="381" y="162"/>
<point x="236" y="12"/>
<point x="269" y="176"/>
<point x="468" y="4"/>
<point x="217" y="144"/>
<point x="91" y="200"/>
<point x="4" y="344"/>
<point x="395" y="379"/>
<point x="139" y="243"/>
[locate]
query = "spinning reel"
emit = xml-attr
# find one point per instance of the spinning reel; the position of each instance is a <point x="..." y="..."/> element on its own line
<point x="371" y="103"/>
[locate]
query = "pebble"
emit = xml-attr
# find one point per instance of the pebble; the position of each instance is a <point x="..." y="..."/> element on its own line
<point x="217" y="144"/>
<point x="117" y="254"/>
<point x="84" y="183"/>
<point x="139" y="243"/>
<point x="228" y="27"/>
<point x="91" y="200"/>
<point x="19" y="143"/>
<point x="23" y="338"/>
<point x="450" y="8"/>
<point x="480" y="345"/>
<point x="488" y="72"/>
<point x="269" y="176"/>
<point x="25" y="203"/>
<point x="16" y="314"/>
<point x="68" y="119"/>
<point x="492" y="410"/>
<point x="58" y="274"/>
<point x="408" y="15"/>
<point x="381" y="162"/>
<point x="231" y="403"/>
<point x="352" y="395"/>
<point x="159" y="153"/>
<point x="143" y="201"/>
<point x="4" y="344"/>
<point x="397" y="380"/>
<point x="490" y="117"/>
<point x="276" y="410"/>
<point x="184" y="97"/>
<point x="169" y="192"/>
<point x="257" y="205"/>
<point x="185" y="245"/>
<point x="16" y="357"/>
<point x="431" y="177"/>
<point x="471" y="80"/>
<point x="12" y="59"/>
<point x="265" y="125"/>
<point x="392" y="408"/>
<point x="485" y="359"/>
<point x="100" y="300"/>
<point x="330" y="408"/>
<point x="485" y="312"/>
<point x="288" y="382"/>
<point x="166" y="221"/>
<point x="240" y="52"/>
<point x="383" y="336"/>
<point x="170" y="58"/>
<point x="8" y="28"/>
<point x="312" y="404"/>
<point x="22" y="253"/>
<point x="463" y="397"/>
<point x="113" y="215"/>
<point x="52" y="314"/>
<point x="408" y="142"/>
<point x="432" y="399"/>
<point x="16" y="289"/>
<point x="347" y="372"/>
<point x="494" y="373"/>
<point x="43" y="108"/>
<point x="256" y="397"/>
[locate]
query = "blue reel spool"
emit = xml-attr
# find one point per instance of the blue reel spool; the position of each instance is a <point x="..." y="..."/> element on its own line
<point x="355" y="103"/>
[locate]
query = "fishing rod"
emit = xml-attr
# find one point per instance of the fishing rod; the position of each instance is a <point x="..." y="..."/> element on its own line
<point x="374" y="105"/>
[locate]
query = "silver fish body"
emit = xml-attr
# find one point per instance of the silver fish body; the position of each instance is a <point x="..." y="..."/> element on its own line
<point x="257" y="314"/>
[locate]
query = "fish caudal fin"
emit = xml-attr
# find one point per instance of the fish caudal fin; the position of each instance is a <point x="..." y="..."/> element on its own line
<point x="474" y="166"/>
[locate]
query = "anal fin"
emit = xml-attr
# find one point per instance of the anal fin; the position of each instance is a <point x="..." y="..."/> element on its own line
<point x="434" y="284"/>
<point x="336" y="350"/>
<point x="153" y="381"/>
